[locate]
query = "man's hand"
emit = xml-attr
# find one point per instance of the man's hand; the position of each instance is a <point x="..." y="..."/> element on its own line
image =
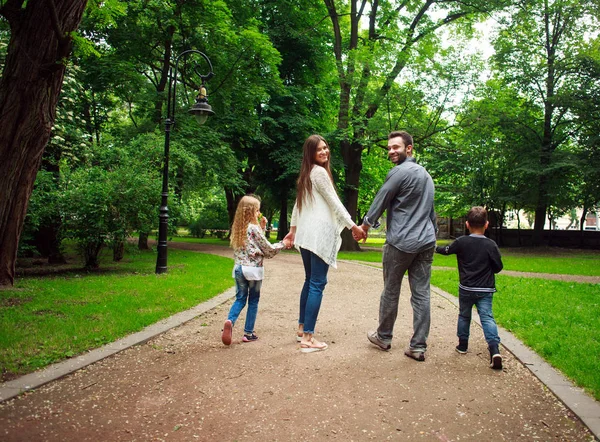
<point x="365" y="228"/>
<point x="358" y="234"/>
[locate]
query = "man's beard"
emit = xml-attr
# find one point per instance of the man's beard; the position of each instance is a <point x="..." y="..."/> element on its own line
<point x="399" y="159"/>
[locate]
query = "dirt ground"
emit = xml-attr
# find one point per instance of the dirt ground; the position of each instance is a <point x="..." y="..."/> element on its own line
<point x="185" y="385"/>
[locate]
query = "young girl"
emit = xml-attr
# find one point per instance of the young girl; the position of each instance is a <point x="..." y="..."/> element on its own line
<point x="250" y="247"/>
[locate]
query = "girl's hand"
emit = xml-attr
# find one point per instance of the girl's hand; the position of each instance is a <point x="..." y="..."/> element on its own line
<point x="262" y="220"/>
<point x="289" y="239"/>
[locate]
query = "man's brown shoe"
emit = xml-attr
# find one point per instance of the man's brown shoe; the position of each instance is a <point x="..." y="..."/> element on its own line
<point x="416" y="355"/>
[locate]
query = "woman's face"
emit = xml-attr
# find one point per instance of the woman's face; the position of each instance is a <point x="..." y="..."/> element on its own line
<point x="322" y="154"/>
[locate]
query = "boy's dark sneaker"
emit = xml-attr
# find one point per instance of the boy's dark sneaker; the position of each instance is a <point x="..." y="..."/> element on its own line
<point x="462" y="346"/>
<point x="249" y="338"/>
<point x="495" y="357"/>
<point x="227" y="332"/>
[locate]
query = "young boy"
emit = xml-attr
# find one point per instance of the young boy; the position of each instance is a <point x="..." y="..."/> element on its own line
<point x="478" y="260"/>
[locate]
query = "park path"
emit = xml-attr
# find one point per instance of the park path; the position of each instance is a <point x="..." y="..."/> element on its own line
<point x="184" y="385"/>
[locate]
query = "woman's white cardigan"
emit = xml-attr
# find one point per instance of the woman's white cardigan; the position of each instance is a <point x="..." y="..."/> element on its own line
<point x="322" y="219"/>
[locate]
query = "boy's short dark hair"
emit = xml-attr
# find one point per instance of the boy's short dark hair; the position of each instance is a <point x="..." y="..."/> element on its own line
<point x="477" y="216"/>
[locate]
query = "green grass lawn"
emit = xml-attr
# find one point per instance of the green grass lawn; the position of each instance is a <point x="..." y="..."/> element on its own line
<point x="549" y="261"/>
<point x="47" y="319"/>
<point x="205" y="240"/>
<point x="559" y="320"/>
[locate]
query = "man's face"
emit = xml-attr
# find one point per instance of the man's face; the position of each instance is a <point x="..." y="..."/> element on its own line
<point x="397" y="151"/>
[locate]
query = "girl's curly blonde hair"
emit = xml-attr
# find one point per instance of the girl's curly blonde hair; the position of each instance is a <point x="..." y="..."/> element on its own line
<point x="246" y="213"/>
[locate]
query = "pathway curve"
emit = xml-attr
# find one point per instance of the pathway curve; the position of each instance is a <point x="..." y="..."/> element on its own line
<point x="184" y="385"/>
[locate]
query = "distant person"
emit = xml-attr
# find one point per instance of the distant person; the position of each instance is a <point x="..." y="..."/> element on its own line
<point x="407" y="197"/>
<point x="318" y="219"/>
<point x="250" y="247"/>
<point x="478" y="260"/>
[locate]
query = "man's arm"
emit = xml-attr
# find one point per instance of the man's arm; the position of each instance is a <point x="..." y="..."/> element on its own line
<point x="382" y="200"/>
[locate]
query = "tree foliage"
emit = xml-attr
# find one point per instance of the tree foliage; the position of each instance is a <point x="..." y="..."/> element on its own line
<point x="538" y="54"/>
<point x="523" y="138"/>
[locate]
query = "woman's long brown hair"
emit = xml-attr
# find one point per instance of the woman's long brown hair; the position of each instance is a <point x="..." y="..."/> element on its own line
<point x="304" y="189"/>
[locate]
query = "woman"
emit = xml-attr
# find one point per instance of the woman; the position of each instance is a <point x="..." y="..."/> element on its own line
<point x="317" y="221"/>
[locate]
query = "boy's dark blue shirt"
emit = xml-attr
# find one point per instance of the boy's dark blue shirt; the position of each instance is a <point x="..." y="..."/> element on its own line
<point x="478" y="261"/>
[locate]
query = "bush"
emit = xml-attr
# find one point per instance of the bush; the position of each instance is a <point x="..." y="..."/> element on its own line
<point x="196" y="229"/>
<point x="213" y="217"/>
<point x="104" y="207"/>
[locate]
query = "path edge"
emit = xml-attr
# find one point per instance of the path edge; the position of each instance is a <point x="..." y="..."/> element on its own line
<point x="31" y="381"/>
<point x="585" y="407"/>
<point x="574" y="398"/>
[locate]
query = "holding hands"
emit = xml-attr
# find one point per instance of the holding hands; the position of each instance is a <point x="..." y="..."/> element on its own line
<point x="360" y="233"/>
<point x="289" y="239"/>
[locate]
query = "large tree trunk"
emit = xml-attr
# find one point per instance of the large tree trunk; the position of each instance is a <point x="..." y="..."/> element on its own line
<point x="29" y="89"/>
<point x="143" y="241"/>
<point x="231" y="205"/>
<point x="48" y="241"/>
<point x="283" y="228"/>
<point x="351" y="153"/>
<point x="548" y="145"/>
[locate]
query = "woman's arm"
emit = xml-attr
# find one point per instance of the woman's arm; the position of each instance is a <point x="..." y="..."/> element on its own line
<point x="322" y="184"/>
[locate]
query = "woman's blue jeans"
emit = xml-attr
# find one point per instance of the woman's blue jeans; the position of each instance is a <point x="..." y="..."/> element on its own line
<point x="483" y="302"/>
<point x="245" y="290"/>
<point x="315" y="270"/>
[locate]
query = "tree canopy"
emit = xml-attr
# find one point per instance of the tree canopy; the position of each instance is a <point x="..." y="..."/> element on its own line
<point x="83" y="99"/>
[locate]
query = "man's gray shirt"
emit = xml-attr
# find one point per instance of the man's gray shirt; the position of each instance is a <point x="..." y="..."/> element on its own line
<point x="407" y="195"/>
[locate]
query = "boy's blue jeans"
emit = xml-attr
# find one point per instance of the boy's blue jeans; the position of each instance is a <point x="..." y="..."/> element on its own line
<point x="245" y="290"/>
<point x="315" y="270"/>
<point x="483" y="302"/>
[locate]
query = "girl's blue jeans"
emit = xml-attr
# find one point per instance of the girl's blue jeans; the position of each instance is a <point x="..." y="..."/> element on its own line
<point x="245" y="290"/>
<point x="315" y="270"/>
<point x="483" y="302"/>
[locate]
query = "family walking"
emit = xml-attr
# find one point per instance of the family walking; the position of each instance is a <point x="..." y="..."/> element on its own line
<point x="318" y="218"/>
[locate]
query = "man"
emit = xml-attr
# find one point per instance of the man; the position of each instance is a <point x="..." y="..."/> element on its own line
<point x="407" y="195"/>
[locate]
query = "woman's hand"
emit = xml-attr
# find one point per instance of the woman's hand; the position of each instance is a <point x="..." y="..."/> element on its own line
<point x="289" y="238"/>
<point x="358" y="233"/>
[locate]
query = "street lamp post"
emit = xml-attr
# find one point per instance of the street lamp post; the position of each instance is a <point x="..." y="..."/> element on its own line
<point x="201" y="110"/>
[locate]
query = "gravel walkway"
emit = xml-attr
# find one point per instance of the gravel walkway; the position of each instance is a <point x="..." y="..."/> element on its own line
<point x="184" y="385"/>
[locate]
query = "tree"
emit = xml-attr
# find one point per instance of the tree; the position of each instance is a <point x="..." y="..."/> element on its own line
<point x="537" y="53"/>
<point x="370" y="61"/>
<point x="587" y="188"/>
<point x="303" y="105"/>
<point x="41" y="41"/>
